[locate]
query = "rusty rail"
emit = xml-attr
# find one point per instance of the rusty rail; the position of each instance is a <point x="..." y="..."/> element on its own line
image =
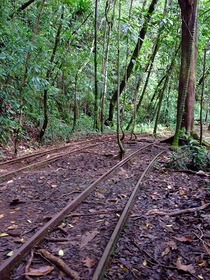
<point x="100" y="269"/>
<point x="19" y="254"/>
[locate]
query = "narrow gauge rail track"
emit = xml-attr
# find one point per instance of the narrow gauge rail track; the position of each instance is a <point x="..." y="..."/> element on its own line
<point x="15" y="166"/>
<point x="98" y="196"/>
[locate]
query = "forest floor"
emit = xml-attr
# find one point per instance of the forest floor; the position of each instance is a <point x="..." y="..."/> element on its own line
<point x="167" y="236"/>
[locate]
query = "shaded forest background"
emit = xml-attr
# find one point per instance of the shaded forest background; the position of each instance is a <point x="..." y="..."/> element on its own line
<point x="62" y="64"/>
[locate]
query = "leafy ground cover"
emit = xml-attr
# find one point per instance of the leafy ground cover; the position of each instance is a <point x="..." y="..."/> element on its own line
<point x="168" y="233"/>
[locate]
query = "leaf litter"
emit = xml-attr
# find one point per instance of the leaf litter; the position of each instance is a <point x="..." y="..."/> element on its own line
<point x="152" y="246"/>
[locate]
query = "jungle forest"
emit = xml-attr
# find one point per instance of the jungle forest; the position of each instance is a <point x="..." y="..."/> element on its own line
<point x="82" y="65"/>
<point x="105" y="139"/>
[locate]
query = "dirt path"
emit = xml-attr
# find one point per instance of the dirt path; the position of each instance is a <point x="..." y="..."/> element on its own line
<point x="155" y="244"/>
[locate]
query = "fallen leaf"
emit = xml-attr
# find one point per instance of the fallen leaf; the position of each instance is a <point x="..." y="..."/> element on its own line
<point x="92" y="210"/>
<point x="3" y="234"/>
<point x="101" y="191"/>
<point x="42" y="271"/>
<point x="184" y="267"/>
<point x="88" y="262"/>
<point x="182" y="191"/>
<point x="61" y="253"/>
<point x="12" y="227"/>
<point x="99" y="195"/>
<point x="121" y="196"/>
<point x="166" y="251"/>
<point x="201" y="173"/>
<point x="171" y="245"/>
<point x="10" y="254"/>
<point x="19" y="240"/>
<point x="145" y="263"/>
<point x="184" y="239"/>
<point x="201" y="263"/>
<point x="11" y="181"/>
<point x="53" y="186"/>
<point x="88" y="237"/>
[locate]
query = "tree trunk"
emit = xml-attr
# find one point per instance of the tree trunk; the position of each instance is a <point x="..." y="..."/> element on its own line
<point x="96" y="117"/>
<point x="122" y="151"/>
<point x="130" y="66"/>
<point x="202" y="97"/>
<point x="148" y="69"/>
<point x="110" y="23"/>
<point x="162" y="90"/>
<point x="45" y="98"/>
<point x="186" y="96"/>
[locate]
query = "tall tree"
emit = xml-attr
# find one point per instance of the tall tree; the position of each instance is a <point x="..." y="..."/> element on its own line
<point x="48" y="74"/>
<point x="132" y="61"/>
<point x="187" y="78"/>
<point x="107" y="40"/>
<point x="122" y="151"/>
<point x="96" y="109"/>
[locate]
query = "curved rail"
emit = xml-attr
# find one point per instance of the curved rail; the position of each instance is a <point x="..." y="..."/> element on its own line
<point x="14" y="172"/>
<point x="43" y="153"/>
<point x="100" y="269"/>
<point x="9" y="264"/>
<point x="46" y="153"/>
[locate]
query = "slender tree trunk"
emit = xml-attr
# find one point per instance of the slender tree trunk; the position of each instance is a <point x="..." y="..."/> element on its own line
<point x="110" y="23"/>
<point x="76" y="107"/>
<point x="160" y="104"/>
<point x="133" y="58"/>
<point x="45" y="98"/>
<point x="25" y="77"/>
<point x="168" y="74"/>
<point x="186" y="96"/>
<point x="96" y="109"/>
<point x="122" y="151"/>
<point x="149" y="71"/>
<point x="202" y="97"/>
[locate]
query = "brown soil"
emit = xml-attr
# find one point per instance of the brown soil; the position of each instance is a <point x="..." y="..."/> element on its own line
<point x="156" y="244"/>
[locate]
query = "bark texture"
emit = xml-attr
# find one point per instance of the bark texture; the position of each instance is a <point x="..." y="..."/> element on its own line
<point x="186" y="96"/>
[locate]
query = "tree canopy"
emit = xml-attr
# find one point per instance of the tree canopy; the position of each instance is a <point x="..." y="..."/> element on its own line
<point x="59" y="71"/>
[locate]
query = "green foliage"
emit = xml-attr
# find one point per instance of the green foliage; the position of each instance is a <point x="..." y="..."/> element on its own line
<point x="22" y="52"/>
<point x="190" y="156"/>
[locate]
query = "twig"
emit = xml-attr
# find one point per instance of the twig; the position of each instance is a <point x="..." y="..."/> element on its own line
<point x="62" y="229"/>
<point x="28" y="266"/>
<point x="201" y="173"/>
<point x="67" y="194"/>
<point x="177" y="212"/>
<point x="60" y="263"/>
<point x="205" y="244"/>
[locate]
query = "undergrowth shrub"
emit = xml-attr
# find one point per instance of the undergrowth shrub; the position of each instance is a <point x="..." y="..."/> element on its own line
<point x="190" y="156"/>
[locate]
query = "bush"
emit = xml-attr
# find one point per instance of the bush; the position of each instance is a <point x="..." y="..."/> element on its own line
<point x="190" y="156"/>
